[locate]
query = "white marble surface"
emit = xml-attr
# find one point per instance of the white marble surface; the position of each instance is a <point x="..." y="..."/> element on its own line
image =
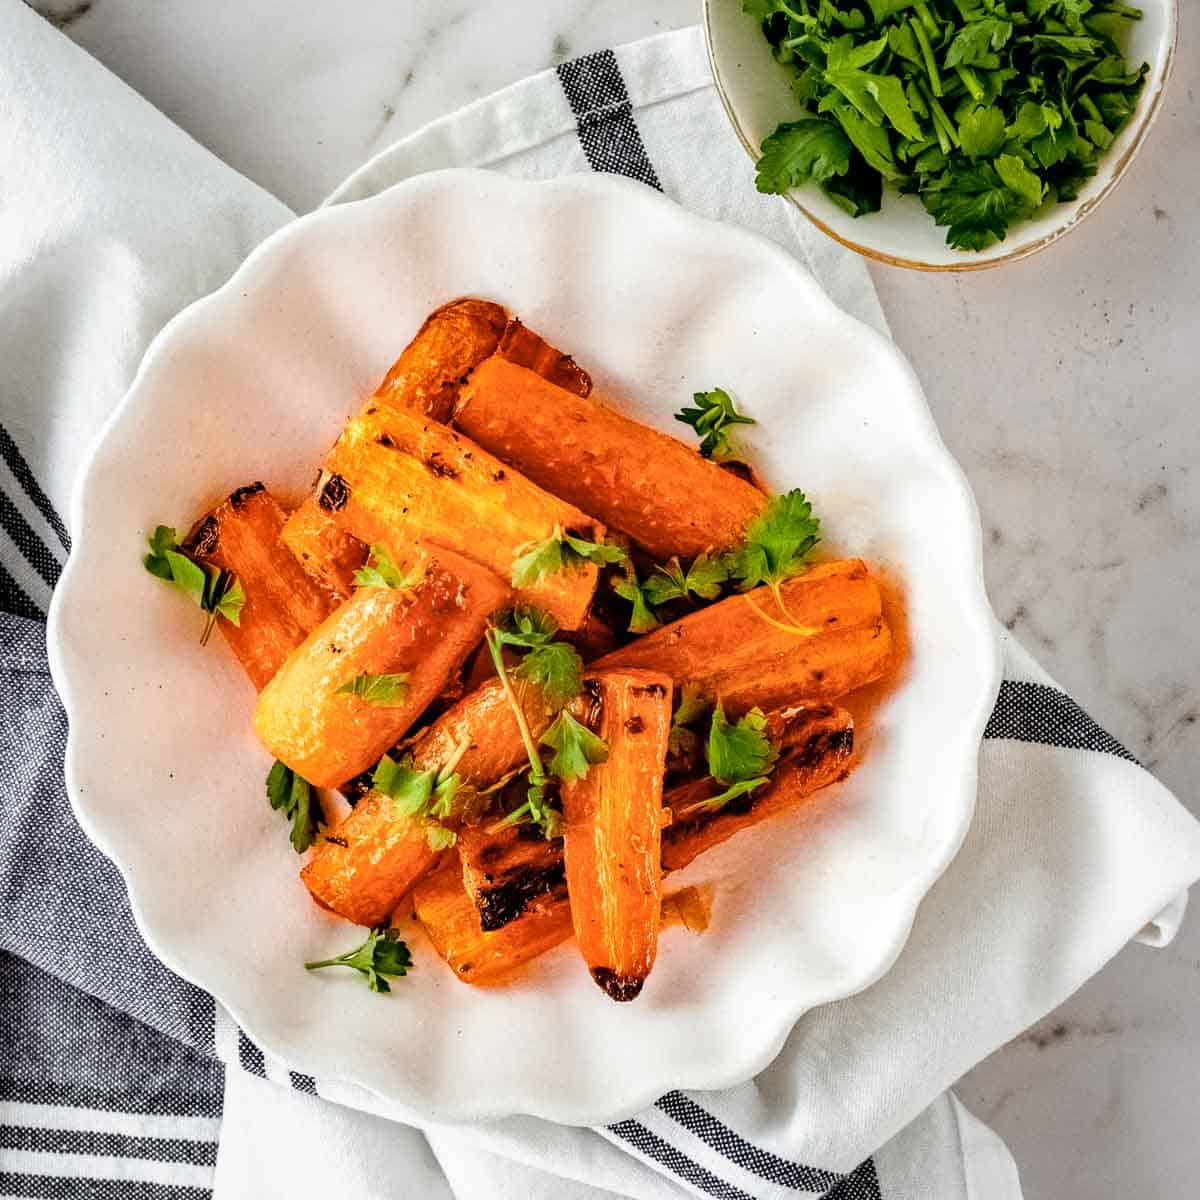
<point x="1065" y="385"/>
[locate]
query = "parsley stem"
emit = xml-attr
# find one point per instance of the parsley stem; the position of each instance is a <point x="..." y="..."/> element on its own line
<point x="535" y="759"/>
<point x="455" y="758"/>
<point x="798" y="630"/>
<point x="935" y="80"/>
<point x="1089" y="106"/>
<point x="926" y="17"/>
<point x="971" y="82"/>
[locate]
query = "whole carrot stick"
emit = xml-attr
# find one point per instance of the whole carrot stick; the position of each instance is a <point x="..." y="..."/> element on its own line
<point x="658" y="491"/>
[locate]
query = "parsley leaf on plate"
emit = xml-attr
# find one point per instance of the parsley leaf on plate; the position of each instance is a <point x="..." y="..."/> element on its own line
<point x="777" y="542"/>
<point x="288" y="793"/>
<point x="383" y="571"/>
<point x="554" y="666"/>
<point x="629" y="587"/>
<point x="712" y="416"/>
<point x="383" y="953"/>
<point x="559" y="552"/>
<point x="702" y="579"/>
<point x="384" y="691"/>
<point x="575" y="746"/>
<point x="215" y="591"/>
<point x="425" y="795"/>
<point x="740" y="756"/>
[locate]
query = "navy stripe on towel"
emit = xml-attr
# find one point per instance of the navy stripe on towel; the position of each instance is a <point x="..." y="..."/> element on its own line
<point x="1036" y="712"/>
<point x="608" y="133"/>
<point x="12" y="455"/>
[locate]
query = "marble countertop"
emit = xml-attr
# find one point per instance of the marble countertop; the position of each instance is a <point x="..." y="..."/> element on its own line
<point x="1065" y="386"/>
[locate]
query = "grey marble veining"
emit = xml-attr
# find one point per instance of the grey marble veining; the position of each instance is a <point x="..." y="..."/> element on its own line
<point x="1066" y="386"/>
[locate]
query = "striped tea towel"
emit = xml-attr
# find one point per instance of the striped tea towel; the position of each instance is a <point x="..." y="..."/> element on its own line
<point x="114" y="1073"/>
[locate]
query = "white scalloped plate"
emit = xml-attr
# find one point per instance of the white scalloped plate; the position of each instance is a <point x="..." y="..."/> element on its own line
<point x="254" y="382"/>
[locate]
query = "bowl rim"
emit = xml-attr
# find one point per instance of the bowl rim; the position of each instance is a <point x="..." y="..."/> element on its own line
<point x="1075" y="215"/>
<point x="415" y="1107"/>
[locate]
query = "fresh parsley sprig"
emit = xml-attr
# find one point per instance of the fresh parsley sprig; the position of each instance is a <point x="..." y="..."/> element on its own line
<point x="383" y="953"/>
<point x="217" y="592"/>
<point x="295" y="798"/>
<point x="740" y="757"/>
<point x="559" y="552"/>
<point x="383" y="571"/>
<point x="713" y="415"/>
<point x="775" y="547"/>
<point x="642" y="618"/>
<point x="425" y="795"/>
<point x="558" y="671"/>
<point x="383" y="691"/>
<point x="693" y="705"/>
<point x="702" y="579"/>
<point x="555" y="667"/>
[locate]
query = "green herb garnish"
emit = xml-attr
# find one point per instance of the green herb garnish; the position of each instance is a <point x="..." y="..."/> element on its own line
<point x="702" y="579"/>
<point x="558" y="672"/>
<point x="712" y="418"/>
<point x="692" y="706"/>
<point x="384" y="691"/>
<point x="559" y="552"/>
<point x="426" y="796"/>
<point x="775" y="547"/>
<point x="383" y="953"/>
<point x="295" y="798"/>
<point x="383" y="571"/>
<point x="629" y="587"/>
<point x="740" y="756"/>
<point x="985" y="109"/>
<point x="555" y="667"/>
<point x="575" y="746"/>
<point x="217" y="592"/>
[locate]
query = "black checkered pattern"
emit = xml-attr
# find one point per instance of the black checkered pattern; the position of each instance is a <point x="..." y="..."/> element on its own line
<point x="604" y="117"/>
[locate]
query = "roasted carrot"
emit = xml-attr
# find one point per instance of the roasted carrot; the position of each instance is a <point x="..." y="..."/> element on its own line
<point x="395" y="478"/>
<point x="734" y="651"/>
<point x="425" y="380"/>
<point x="418" y="637"/>
<point x="520" y="345"/>
<point x="453" y="340"/>
<point x="815" y="747"/>
<point x="452" y="923"/>
<point x="374" y="856"/>
<point x="612" y="819"/>
<point x="658" y="491"/>
<point x="329" y="555"/>
<point x="282" y="603"/>
<point x="505" y="870"/>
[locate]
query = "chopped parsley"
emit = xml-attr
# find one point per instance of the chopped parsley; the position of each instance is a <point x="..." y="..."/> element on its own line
<point x="215" y="591"/>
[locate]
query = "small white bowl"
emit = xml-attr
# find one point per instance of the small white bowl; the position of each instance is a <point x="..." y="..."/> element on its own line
<point x="757" y="96"/>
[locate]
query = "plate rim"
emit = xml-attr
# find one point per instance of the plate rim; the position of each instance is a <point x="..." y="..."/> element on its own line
<point x="904" y="902"/>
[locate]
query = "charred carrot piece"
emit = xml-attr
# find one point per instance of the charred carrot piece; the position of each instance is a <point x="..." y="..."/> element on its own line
<point x="308" y="717"/>
<point x="453" y="340"/>
<point x="815" y="749"/>
<point x="396" y="478"/>
<point x="375" y="856"/>
<point x="658" y="491"/>
<point x="732" y="650"/>
<point x="521" y="346"/>
<point x="424" y="380"/>
<point x="282" y="603"/>
<point x="325" y="552"/>
<point x="612" y="820"/>
<point x="505" y="870"/>
<point x="452" y="923"/>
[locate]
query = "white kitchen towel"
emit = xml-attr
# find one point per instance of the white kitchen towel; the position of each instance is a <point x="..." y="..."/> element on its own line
<point x="110" y="219"/>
